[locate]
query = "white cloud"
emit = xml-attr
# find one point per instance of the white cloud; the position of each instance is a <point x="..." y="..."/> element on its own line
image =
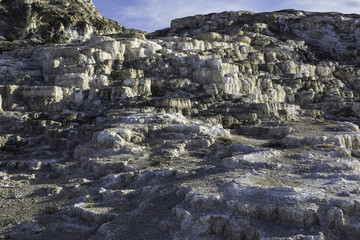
<point x="150" y="15"/>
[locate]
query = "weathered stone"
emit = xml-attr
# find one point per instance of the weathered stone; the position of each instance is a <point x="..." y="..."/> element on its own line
<point x="43" y="21"/>
<point x="211" y="36"/>
<point x="245" y="39"/>
<point x="109" y="139"/>
<point x="223" y="120"/>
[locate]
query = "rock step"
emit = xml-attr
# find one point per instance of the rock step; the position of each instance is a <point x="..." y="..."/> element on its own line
<point x="93" y="214"/>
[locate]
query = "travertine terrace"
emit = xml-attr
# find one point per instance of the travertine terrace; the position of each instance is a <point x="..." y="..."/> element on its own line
<point x="233" y="125"/>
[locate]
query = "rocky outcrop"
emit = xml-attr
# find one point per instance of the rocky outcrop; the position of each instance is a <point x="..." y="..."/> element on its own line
<point x="233" y="125"/>
<point x="331" y="35"/>
<point x="33" y="22"/>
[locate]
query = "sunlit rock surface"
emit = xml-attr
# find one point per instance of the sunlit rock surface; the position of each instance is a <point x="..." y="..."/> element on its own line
<point x="234" y="125"/>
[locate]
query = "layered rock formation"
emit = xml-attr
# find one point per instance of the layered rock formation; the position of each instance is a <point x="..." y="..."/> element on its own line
<point x="233" y="125"/>
<point x="330" y="35"/>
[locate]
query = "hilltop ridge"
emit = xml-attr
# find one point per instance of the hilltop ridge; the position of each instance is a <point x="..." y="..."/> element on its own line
<point x="332" y="35"/>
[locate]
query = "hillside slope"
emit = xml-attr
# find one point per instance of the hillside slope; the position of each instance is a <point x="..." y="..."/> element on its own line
<point x="232" y="125"/>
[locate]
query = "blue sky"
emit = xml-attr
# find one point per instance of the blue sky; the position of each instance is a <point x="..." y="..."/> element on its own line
<point x="151" y="15"/>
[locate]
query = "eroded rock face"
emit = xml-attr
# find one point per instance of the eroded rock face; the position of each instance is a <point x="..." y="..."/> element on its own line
<point x="225" y="126"/>
<point x="331" y="35"/>
<point x="45" y="21"/>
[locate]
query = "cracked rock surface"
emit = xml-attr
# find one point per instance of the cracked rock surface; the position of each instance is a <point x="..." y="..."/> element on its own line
<point x="25" y="23"/>
<point x="233" y="125"/>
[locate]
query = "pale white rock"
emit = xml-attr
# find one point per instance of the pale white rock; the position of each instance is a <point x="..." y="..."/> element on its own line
<point x="346" y="141"/>
<point x="125" y="134"/>
<point x="138" y="87"/>
<point x="73" y="95"/>
<point x="186" y="46"/>
<point x="320" y="236"/>
<point x="202" y="201"/>
<point x="36" y="165"/>
<point x="82" y="58"/>
<point x="109" y="139"/>
<point x="308" y="70"/>
<point x="276" y="94"/>
<point x="101" y="81"/>
<point x="116" y="49"/>
<point x="74" y="34"/>
<point x="137" y="48"/>
<point x="289" y="67"/>
<point x="245" y="39"/>
<point x="218" y="131"/>
<point x="93" y="215"/>
<point x="349" y="141"/>
<point x="214" y="131"/>
<point x="255" y="159"/>
<point x="113" y="194"/>
<point x="324" y="71"/>
<point x="127" y="93"/>
<point x="101" y="56"/>
<point x="231" y="85"/>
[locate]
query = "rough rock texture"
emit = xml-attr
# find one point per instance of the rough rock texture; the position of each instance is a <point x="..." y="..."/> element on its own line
<point x="331" y="35"/>
<point x="33" y="22"/>
<point x="233" y="125"/>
